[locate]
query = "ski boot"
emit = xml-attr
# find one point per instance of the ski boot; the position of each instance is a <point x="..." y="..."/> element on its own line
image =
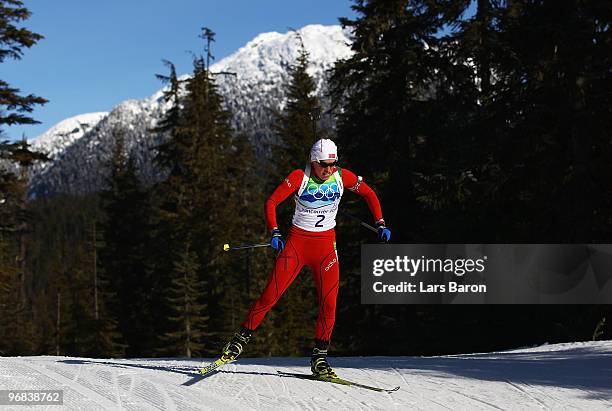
<point x="231" y="351"/>
<point x="318" y="361"/>
<point x="236" y="345"/>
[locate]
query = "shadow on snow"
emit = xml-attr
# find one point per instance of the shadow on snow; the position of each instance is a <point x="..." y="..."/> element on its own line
<point x="587" y="368"/>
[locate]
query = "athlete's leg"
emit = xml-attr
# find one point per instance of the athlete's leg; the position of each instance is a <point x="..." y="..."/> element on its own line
<point x="287" y="266"/>
<point x="326" y="272"/>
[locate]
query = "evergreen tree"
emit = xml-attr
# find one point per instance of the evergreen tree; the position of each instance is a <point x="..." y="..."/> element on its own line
<point x="384" y="95"/>
<point x="15" y="226"/>
<point x="189" y="322"/>
<point x="294" y="125"/>
<point x="61" y="260"/>
<point x="125" y="250"/>
<point x="381" y="90"/>
<point x="8" y="243"/>
<point x="14" y="108"/>
<point x="107" y="340"/>
<point x="200" y="204"/>
<point x="295" y="133"/>
<point x="557" y="102"/>
<point x="77" y="329"/>
<point x="494" y="130"/>
<point x="170" y="121"/>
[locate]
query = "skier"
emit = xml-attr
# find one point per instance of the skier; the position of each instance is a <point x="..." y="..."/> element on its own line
<point x="311" y="241"/>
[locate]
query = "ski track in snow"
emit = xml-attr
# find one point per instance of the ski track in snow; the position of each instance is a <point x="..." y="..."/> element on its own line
<point x="551" y="377"/>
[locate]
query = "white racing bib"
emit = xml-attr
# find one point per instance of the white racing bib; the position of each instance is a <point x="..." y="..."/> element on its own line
<point x="316" y="204"/>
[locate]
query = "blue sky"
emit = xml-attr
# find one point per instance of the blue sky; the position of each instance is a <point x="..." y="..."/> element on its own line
<point x="96" y="54"/>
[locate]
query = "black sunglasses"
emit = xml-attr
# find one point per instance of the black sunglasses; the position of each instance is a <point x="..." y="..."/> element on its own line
<point x="323" y="165"/>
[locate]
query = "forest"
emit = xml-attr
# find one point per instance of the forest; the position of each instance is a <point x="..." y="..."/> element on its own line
<point x="485" y="127"/>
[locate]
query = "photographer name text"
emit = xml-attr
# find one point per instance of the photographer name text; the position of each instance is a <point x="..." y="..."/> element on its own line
<point x="412" y="267"/>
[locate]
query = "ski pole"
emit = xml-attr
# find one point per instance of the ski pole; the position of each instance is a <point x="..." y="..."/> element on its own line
<point x="226" y="247"/>
<point x="366" y="225"/>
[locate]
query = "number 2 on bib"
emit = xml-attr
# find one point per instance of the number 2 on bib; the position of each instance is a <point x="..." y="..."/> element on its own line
<point x="318" y="223"/>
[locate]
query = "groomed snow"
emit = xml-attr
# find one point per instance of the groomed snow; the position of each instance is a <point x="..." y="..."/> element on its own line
<point x="560" y="376"/>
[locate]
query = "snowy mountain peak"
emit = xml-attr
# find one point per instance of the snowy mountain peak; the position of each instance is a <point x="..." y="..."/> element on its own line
<point x="66" y="132"/>
<point x="273" y="51"/>
<point x="260" y="66"/>
<point x="81" y="146"/>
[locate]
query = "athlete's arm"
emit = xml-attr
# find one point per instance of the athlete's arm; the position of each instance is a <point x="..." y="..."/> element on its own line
<point x="289" y="186"/>
<point x="356" y="184"/>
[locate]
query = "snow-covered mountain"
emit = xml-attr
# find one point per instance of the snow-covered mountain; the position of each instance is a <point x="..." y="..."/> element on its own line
<point x="252" y="94"/>
<point x="573" y="376"/>
<point x="55" y="140"/>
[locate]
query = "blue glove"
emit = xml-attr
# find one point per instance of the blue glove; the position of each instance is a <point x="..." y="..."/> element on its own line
<point x="277" y="240"/>
<point x="384" y="234"/>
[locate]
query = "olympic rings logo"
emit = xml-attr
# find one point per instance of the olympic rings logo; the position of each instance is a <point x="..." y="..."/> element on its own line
<point x="328" y="191"/>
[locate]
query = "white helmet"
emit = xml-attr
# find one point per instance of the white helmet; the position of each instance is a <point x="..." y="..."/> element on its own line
<point x="324" y="149"/>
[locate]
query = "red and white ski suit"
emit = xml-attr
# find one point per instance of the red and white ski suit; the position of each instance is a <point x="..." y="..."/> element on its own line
<point x="310" y="241"/>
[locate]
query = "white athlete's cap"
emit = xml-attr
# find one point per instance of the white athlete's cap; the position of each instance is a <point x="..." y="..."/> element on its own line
<point x="324" y="149"/>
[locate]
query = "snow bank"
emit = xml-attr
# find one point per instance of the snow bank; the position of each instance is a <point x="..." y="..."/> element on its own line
<point x="560" y="376"/>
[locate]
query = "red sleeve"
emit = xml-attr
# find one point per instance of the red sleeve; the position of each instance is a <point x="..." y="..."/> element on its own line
<point x="290" y="185"/>
<point x="357" y="185"/>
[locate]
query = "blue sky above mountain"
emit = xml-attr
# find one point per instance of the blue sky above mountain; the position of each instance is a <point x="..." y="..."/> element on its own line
<point x="96" y="55"/>
<point x="80" y="145"/>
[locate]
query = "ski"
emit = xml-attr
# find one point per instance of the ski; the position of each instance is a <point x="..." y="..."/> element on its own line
<point x="341" y="381"/>
<point x="213" y="366"/>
